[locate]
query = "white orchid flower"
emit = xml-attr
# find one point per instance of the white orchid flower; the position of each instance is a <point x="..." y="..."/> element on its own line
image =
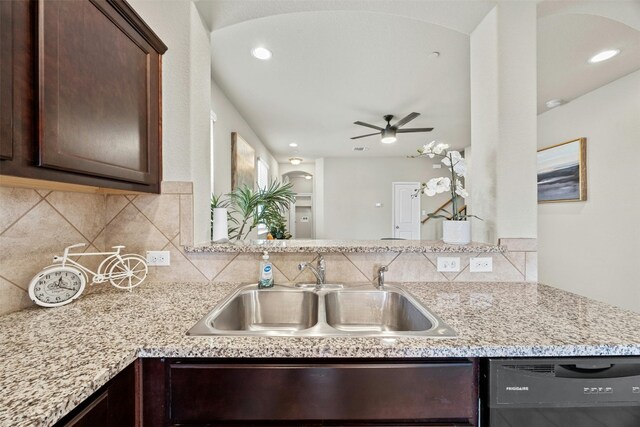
<point x="438" y="149"/>
<point x="461" y="191"/>
<point x="460" y="168"/>
<point x="459" y="163"/>
<point x="437" y="185"/>
<point x="428" y="149"/>
<point x="451" y="157"/>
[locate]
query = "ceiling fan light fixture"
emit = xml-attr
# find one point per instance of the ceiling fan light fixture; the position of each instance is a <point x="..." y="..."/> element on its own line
<point x="295" y="161"/>
<point x="603" y="56"/>
<point x="388" y="136"/>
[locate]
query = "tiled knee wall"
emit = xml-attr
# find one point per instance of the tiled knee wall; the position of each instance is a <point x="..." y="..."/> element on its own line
<point x="517" y="264"/>
<point x="35" y="225"/>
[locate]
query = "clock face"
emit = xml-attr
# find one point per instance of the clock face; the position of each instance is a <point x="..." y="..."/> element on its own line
<point x="56" y="286"/>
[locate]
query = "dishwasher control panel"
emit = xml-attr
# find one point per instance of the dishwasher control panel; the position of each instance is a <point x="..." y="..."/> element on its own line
<point x="564" y="382"/>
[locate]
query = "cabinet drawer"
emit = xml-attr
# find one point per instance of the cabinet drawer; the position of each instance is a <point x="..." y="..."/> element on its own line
<point x="437" y="392"/>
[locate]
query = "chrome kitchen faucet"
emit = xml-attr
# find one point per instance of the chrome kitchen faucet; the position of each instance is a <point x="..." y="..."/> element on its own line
<point x="381" y="270"/>
<point x="318" y="271"/>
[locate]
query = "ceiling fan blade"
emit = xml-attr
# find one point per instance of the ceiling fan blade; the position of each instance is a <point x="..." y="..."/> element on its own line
<point x="406" y="120"/>
<point x="367" y="125"/>
<point x="414" y="130"/>
<point x="362" y="136"/>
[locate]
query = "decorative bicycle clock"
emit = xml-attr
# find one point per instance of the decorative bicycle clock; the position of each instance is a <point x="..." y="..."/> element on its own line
<point x="63" y="282"/>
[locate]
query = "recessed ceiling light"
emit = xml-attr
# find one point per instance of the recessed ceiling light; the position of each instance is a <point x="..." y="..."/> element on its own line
<point x="295" y="160"/>
<point x="307" y="177"/>
<point x="553" y="103"/>
<point x="261" y="53"/>
<point x="604" y="55"/>
<point x="293" y="144"/>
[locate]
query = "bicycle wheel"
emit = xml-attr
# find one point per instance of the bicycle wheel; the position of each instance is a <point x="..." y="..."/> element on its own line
<point x="104" y="268"/>
<point x="128" y="272"/>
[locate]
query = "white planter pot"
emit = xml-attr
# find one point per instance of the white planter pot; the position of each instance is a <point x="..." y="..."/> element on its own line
<point x="220" y="232"/>
<point x="456" y="232"/>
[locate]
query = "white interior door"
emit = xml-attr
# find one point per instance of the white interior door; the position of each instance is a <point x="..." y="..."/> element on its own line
<point x="406" y="211"/>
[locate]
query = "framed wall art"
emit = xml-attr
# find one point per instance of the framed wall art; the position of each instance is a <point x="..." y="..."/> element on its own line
<point x="243" y="162"/>
<point x="562" y="172"/>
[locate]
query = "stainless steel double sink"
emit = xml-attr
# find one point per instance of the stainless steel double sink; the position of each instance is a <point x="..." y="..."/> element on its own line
<point x="361" y="311"/>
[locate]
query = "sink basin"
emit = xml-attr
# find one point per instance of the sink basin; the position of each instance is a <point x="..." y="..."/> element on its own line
<point x="257" y="310"/>
<point x="377" y="311"/>
<point x="360" y="311"/>
<point x="262" y="310"/>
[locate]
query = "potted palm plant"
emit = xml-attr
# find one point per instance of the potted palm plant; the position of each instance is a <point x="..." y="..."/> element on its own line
<point x="247" y="208"/>
<point x="455" y="227"/>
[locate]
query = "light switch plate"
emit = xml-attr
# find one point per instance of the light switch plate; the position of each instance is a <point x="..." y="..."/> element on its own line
<point x="448" y="264"/>
<point x="481" y="265"/>
<point x="159" y="258"/>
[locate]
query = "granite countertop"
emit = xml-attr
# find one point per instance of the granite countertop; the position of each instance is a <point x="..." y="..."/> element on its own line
<point x="55" y="358"/>
<point x="328" y="246"/>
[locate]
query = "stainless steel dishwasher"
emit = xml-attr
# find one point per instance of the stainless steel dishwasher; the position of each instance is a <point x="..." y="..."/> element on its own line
<point x="562" y="392"/>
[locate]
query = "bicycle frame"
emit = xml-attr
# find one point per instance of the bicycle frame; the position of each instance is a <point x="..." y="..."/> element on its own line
<point x="98" y="276"/>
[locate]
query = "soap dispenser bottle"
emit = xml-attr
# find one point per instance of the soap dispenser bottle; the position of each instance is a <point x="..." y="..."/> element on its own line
<point x="266" y="272"/>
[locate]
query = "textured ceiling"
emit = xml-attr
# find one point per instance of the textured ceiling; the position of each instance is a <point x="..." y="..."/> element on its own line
<point x="330" y="69"/>
<point x="338" y="61"/>
<point x="459" y="15"/>
<point x="569" y="36"/>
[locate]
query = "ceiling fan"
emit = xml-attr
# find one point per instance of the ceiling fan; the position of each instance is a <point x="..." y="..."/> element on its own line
<point x="388" y="133"/>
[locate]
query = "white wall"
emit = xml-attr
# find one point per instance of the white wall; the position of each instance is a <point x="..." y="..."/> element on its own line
<point x="309" y="168"/>
<point x="301" y="185"/>
<point x="229" y="120"/>
<point x="352" y="187"/>
<point x="318" y="193"/>
<point x="503" y="122"/>
<point x="593" y="247"/>
<point x="185" y="104"/>
<point x="484" y="128"/>
<point x="200" y="114"/>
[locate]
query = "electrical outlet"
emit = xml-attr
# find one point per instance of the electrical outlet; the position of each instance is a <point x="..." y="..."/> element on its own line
<point x="448" y="264"/>
<point x="481" y="265"/>
<point x="159" y="258"/>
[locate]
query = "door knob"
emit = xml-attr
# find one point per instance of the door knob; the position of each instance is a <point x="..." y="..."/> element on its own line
<point x="397" y="226"/>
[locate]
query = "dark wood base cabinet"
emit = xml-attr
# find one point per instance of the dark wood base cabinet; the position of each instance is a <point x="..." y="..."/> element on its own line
<point x="200" y="392"/>
<point x="80" y="86"/>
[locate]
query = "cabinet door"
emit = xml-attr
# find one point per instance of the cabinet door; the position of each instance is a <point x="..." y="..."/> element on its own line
<point x="99" y="92"/>
<point x="113" y="405"/>
<point x="6" y="80"/>
<point x="353" y="393"/>
<point x="94" y="415"/>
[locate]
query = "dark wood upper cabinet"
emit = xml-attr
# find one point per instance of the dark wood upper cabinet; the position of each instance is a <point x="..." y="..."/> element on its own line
<point x="6" y="80"/>
<point x="90" y="111"/>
